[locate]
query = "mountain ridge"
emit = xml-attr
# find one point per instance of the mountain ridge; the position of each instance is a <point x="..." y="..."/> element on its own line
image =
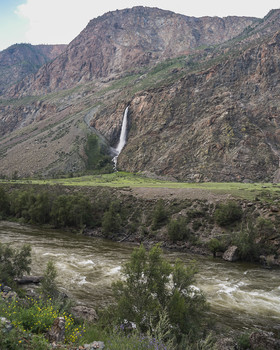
<point x="197" y="113"/>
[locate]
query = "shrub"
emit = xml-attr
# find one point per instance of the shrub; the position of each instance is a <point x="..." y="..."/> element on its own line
<point x="215" y="246"/>
<point x="98" y="157"/>
<point x="4" y="203"/>
<point x="243" y="342"/>
<point x="49" y="287"/>
<point x="227" y="213"/>
<point x="111" y="222"/>
<point x="178" y="230"/>
<point x="71" y="210"/>
<point x="159" y="216"/>
<point x="14" y="262"/>
<point x="37" y="316"/>
<point x="152" y="285"/>
<point x="245" y="240"/>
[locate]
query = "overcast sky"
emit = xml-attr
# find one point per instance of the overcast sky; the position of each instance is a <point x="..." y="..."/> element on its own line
<point x="60" y="21"/>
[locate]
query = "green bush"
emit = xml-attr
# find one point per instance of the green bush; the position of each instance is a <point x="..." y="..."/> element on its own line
<point x="152" y="285"/>
<point x="111" y="222"/>
<point x="49" y="287"/>
<point x="37" y="316"/>
<point x="71" y="210"/>
<point x="4" y="204"/>
<point x="178" y="230"/>
<point x="227" y="213"/>
<point x="159" y="216"/>
<point x="22" y="340"/>
<point x="215" y="245"/>
<point x="14" y="262"/>
<point x="98" y="157"/>
<point x="245" y="240"/>
<point x="243" y="342"/>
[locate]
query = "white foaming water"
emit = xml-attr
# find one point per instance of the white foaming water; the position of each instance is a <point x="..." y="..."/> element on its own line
<point x="122" y="140"/>
<point x="241" y="296"/>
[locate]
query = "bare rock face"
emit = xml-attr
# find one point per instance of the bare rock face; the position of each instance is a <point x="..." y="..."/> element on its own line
<point x="123" y="40"/>
<point x="20" y="60"/>
<point x="211" y="114"/>
<point x="84" y="313"/>
<point x="264" y="340"/>
<point x="231" y="254"/>
<point x="57" y="332"/>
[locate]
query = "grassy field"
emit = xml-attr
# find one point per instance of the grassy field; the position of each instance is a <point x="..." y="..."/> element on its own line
<point x="265" y="191"/>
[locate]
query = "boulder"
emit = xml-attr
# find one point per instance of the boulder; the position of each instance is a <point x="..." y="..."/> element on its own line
<point x="57" y="333"/>
<point x="231" y="254"/>
<point x="264" y="340"/>
<point x="84" y="313"/>
<point x="29" y="279"/>
<point x="95" y="345"/>
<point x="5" y="325"/>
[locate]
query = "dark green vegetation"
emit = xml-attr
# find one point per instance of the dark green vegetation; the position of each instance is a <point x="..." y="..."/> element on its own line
<point x="98" y="157"/>
<point x="14" y="262"/>
<point x="153" y="289"/>
<point x="166" y="318"/>
<point x="199" y="224"/>
<point x="59" y="210"/>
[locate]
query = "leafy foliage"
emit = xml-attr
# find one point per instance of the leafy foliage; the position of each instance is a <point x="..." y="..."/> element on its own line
<point x="111" y="222"/>
<point x="151" y="286"/>
<point x="178" y="230"/>
<point x="49" y="287"/>
<point x="41" y="208"/>
<point x="215" y="245"/>
<point x="159" y="215"/>
<point x="14" y="262"/>
<point x="71" y="210"/>
<point x="97" y="155"/>
<point x="4" y="203"/>
<point x="227" y="213"/>
<point x="37" y="316"/>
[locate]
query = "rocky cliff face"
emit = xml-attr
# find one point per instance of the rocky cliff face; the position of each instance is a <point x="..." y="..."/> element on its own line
<point x="221" y="124"/>
<point x="196" y="113"/>
<point x="20" y="60"/>
<point x="124" y="40"/>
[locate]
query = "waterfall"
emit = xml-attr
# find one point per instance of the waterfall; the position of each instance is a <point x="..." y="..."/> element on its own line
<point x="122" y="140"/>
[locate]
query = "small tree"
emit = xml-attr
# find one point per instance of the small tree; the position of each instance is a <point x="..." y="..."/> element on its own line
<point x="215" y="245"/>
<point x="111" y="222"/>
<point x="14" y="262"/>
<point x="151" y="286"/>
<point x="49" y="287"/>
<point x="178" y="230"/>
<point x="227" y="213"/>
<point x="4" y="203"/>
<point x="160" y="215"/>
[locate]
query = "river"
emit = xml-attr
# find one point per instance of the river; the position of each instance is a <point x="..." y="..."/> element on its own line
<point x="241" y="296"/>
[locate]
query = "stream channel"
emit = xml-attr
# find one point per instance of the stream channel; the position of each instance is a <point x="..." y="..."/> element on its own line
<point x="241" y="296"/>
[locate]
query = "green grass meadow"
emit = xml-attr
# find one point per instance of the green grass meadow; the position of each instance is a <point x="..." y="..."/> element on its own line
<point x="250" y="191"/>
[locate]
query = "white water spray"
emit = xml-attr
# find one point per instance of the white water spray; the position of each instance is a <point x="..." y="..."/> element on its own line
<point x="122" y="140"/>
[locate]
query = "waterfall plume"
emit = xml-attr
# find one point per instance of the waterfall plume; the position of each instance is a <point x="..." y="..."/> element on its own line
<point x="122" y="139"/>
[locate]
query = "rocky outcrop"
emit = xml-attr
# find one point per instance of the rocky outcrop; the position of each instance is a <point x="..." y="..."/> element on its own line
<point x="84" y="313"/>
<point x="210" y="115"/>
<point x="20" y="60"/>
<point x="57" y="332"/>
<point x="231" y="254"/>
<point x="264" y="340"/>
<point x="125" y="40"/>
<point x="29" y="280"/>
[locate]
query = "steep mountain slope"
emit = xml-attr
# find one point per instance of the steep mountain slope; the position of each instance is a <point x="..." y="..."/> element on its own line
<point x="124" y="40"/>
<point x="196" y="113"/>
<point x="20" y="60"/>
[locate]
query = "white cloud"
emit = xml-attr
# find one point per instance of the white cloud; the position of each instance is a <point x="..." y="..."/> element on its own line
<point x="60" y="21"/>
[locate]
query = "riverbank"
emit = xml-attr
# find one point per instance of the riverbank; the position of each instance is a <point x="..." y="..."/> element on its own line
<point x="194" y="220"/>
